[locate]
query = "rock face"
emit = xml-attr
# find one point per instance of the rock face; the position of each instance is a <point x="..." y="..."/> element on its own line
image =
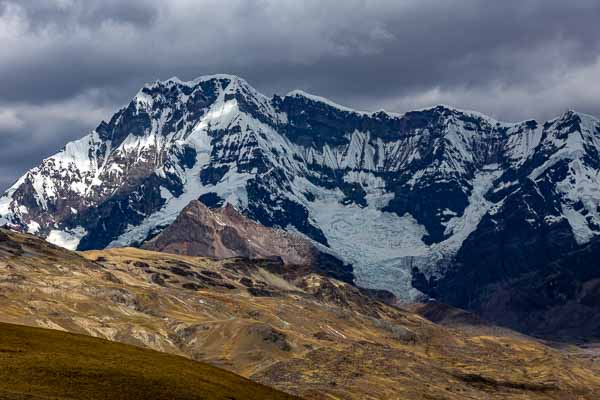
<point x="558" y="300"/>
<point x="445" y="201"/>
<point x="225" y="233"/>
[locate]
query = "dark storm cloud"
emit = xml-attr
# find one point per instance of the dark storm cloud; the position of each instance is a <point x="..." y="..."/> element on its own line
<point x="66" y="14"/>
<point x="65" y="64"/>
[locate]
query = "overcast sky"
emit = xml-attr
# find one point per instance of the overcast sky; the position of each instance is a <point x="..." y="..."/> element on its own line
<point x="65" y="64"/>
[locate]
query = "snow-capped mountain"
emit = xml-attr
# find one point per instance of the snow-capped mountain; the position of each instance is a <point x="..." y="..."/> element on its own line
<point x="417" y="199"/>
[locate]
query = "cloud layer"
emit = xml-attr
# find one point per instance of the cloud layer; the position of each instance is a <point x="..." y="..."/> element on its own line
<point x="66" y="64"/>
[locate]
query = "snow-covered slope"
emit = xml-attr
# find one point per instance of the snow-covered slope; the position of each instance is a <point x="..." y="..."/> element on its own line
<point x="397" y="196"/>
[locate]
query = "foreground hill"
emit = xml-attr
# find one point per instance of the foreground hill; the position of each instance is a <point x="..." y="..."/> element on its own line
<point x="48" y="364"/>
<point x="308" y="335"/>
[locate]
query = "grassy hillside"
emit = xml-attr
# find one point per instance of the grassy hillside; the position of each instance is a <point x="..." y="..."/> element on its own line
<point x="312" y="336"/>
<point x="46" y="364"/>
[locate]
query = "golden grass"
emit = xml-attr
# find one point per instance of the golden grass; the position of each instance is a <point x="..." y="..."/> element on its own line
<point x="46" y="364"/>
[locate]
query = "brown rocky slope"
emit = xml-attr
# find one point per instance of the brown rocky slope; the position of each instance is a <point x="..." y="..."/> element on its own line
<point x="225" y="232"/>
<point x="313" y="336"/>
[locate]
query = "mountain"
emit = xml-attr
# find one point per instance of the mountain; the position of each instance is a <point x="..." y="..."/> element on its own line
<point x="310" y="335"/>
<point x="439" y="201"/>
<point x="50" y="364"/>
<point x="225" y="232"/>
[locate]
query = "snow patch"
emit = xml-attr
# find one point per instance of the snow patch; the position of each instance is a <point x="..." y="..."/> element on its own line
<point x="67" y="239"/>
<point x="459" y="228"/>
<point x="581" y="186"/>
<point x="33" y="227"/>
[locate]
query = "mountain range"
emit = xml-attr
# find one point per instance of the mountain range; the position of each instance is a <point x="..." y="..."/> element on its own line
<point x="501" y="218"/>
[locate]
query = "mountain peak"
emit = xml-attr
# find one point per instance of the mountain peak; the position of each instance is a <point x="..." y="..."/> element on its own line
<point x="194" y="82"/>
<point x="221" y="83"/>
<point x="572" y="114"/>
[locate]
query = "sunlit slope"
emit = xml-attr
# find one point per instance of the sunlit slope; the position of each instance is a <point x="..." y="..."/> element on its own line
<point x="47" y="364"/>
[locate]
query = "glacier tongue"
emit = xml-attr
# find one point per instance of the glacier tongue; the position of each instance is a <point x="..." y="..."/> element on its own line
<point x="380" y="245"/>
